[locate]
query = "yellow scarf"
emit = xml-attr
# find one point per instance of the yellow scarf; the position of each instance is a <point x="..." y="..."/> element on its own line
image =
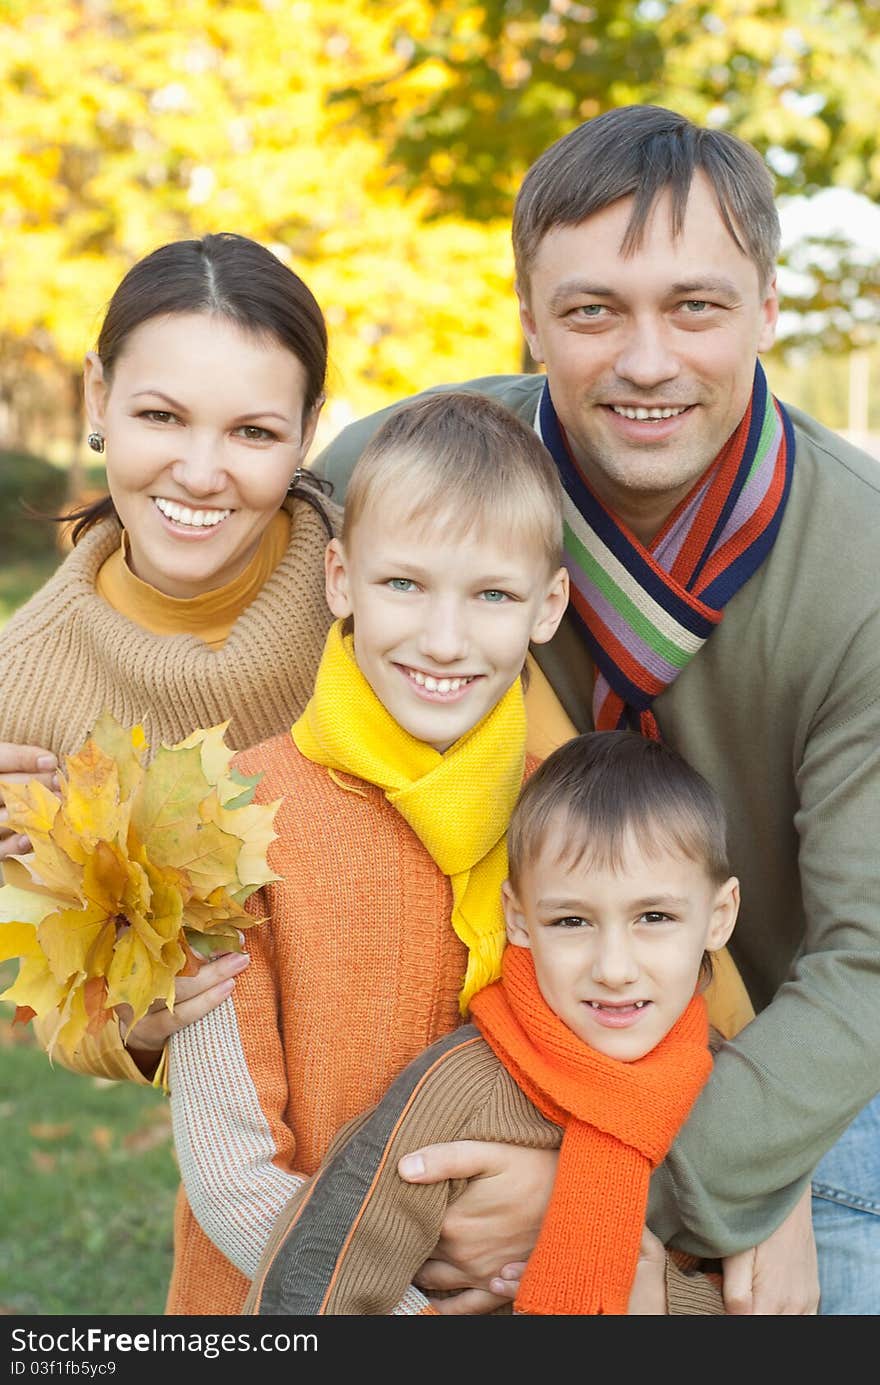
<point x="458" y="804"/>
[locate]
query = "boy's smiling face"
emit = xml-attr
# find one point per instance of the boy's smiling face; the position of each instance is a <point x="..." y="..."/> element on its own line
<point x="617" y="948"/>
<point x="443" y="615"/>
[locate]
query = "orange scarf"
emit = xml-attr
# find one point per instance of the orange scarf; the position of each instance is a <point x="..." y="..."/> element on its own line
<point x="619" y="1120"/>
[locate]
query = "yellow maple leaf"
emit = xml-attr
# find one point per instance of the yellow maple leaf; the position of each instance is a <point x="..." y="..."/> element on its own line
<point x="136" y="867"/>
<point x="34" y="807"/>
<point x="126" y="748"/>
<point x="18" y="939"/>
<point x="253" y="826"/>
<point x="36" y="987"/>
<point x="214" y="754"/>
<point x="91" y="804"/>
<point x="166" y="802"/>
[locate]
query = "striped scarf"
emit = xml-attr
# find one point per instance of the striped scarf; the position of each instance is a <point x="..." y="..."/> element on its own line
<point x="645" y="612"/>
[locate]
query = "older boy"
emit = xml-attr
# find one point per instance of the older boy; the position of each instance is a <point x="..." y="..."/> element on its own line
<point x="396" y="786"/>
<point x="595" y="1039"/>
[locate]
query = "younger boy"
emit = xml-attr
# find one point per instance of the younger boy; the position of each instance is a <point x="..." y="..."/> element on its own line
<point x="396" y="786"/>
<point x="596" y="1038"/>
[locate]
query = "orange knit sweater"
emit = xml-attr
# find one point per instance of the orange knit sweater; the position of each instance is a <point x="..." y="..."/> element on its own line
<point x="356" y="971"/>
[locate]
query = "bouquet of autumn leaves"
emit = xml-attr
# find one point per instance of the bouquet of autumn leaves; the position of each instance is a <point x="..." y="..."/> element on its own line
<point x="137" y="871"/>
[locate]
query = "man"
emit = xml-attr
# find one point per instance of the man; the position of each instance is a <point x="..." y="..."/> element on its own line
<point x="722" y="551"/>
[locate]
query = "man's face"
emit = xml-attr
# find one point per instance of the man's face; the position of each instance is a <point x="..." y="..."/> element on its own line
<point x="617" y="952"/>
<point x="650" y="358"/>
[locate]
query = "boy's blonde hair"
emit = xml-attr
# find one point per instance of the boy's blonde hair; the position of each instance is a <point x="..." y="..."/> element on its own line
<point x="466" y="459"/>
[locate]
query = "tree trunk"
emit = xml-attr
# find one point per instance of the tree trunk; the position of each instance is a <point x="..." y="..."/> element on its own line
<point x="76" y="473"/>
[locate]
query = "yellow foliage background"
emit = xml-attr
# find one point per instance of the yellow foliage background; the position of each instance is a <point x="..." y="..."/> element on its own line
<point x="127" y="125"/>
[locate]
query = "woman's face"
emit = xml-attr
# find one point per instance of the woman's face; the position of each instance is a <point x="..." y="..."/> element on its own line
<point x="204" y="429"/>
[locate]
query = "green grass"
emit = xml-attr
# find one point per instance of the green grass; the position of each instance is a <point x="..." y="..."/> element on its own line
<point x="88" y="1185"/>
<point x="88" y="1171"/>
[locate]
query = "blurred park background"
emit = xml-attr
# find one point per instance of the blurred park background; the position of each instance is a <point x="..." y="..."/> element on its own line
<point x="376" y="146"/>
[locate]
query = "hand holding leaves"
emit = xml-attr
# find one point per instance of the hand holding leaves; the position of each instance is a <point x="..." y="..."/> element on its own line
<point x="134" y="869"/>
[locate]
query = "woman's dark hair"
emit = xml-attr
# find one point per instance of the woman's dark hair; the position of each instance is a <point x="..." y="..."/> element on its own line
<point x="233" y="277"/>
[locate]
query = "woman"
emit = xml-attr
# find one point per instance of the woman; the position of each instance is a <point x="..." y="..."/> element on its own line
<point x="194" y="593"/>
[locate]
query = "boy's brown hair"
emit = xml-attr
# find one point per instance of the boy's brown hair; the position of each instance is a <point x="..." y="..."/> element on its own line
<point x="605" y="785"/>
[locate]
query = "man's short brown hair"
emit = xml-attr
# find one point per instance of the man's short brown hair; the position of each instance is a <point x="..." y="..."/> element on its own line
<point x="643" y="152"/>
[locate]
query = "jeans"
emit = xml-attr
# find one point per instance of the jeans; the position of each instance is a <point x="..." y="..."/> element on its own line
<point x="846" y="1219"/>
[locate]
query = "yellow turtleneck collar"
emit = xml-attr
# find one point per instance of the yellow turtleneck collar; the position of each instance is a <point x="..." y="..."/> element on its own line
<point x="211" y="616"/>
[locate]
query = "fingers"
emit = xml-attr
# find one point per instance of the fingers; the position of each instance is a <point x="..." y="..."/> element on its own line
<point x="25" y="761"/>
<point x="506" y="1283"/>
<point x="13" y="845"/>
<point x="195" y="1007"/>
<point x="652" y="1248"/>
<point x="438" y="1276"/>
<point x="195" y="997"/>
<point x="470" y="1302"/>
<point x="208" y="977"/>
<point x="779" y="1277"/>
<point x="647" y="1295"/>
<point x="19" y="764"/>
<point x="737" y="1282"/>
<point x="460" y="1159"/>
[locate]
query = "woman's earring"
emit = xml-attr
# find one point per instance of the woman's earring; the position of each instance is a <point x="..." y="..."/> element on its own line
<point x="295" y="480"/>
<point x="96" y="442"/>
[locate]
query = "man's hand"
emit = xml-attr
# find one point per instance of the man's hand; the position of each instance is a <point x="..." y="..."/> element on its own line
<point x="647" y="1297"/>
<point x="496" y="1219"/>
<point x="21" y="763"/>
<point x="780" y="1277"/>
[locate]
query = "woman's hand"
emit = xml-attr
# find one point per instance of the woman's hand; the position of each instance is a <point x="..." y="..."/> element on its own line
<point x="194" y="997"/>
<point x="780" y="1277"/>
<point x="496" y="1220"/>
<point x="21" y="763"/>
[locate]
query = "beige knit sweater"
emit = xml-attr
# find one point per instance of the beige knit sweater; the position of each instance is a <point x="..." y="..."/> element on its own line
<point x="66" y="655"/>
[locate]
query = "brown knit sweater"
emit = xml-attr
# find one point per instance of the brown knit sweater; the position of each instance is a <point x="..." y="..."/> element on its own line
<point x="66" y="655"/>
<point x="353" y="1236"/>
